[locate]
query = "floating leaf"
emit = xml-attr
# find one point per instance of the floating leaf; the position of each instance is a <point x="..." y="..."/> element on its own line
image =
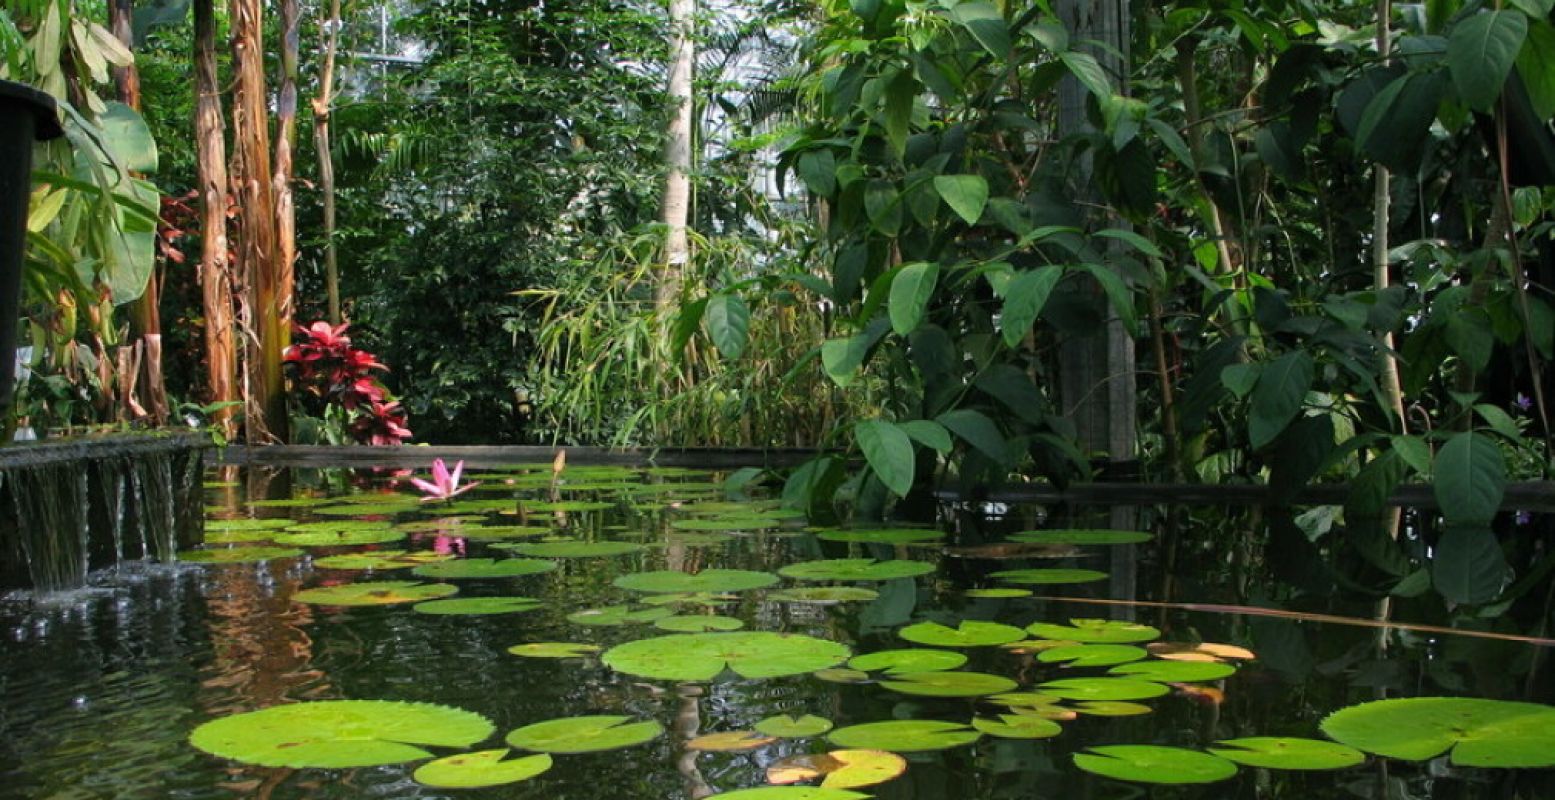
<point x="725" y="524"/>
<point x="485" y="568"/>
<point x="1175" y="671"/>
<point x="496" y="532"/>
<point x="948" y="683"/>
<point x="238" y="537"/>
<point x="1092" y="655"/>
<point x="729" y="741"/>
<point x="701" y="656"/>
<point x="236" y="555"/>
<point x="1081" y="537"/>
<point x="1004" y="551"/>
<point x="554" y="650"/>
<point x="970" y="633"/>
<point x="698" y="623"/>
<point x="1095" y="631"/>
<point x="1205" y="651"/>
<point x="1024" y="699"/>
<point x="823" y="595"/>
<point x="1045" y="577"/>
<point x="703" y="599"/>
<point x="480" y="769"/>
<point x="839" y="769"/>
<point x="568" y="505"/>
<point x="584" y="734"/>
<point x="574" y="549"/>
<point x="1153" y="764"/>
<point x="855" y="569"/>
<point x="375" y="593"/>
<point x="790" y="793"/>
<point x="897" y="662"/>
<point x="345" y="538"/>
<point x="1480" y="733"/>
<point x="618" y="615"/>
<point x="708" y="580"/>
<point x="337" y="734"/>
<point x="1018" y="726"/>
<point x="905" y="735"/>
<point x="367" y="509"/>
<point x="998" y="593"/>
<point x="1103" y="689"/>
<point x="381" y="559"/>
<point x="882" y="535"/>
<point x="842" y="675"/>
<point x="790" y="727"/>
<point x="478" y="605"/>
<point x="338" y="525"/>
<point x="1111" y="708"/>
<point x="1273" y="752"/>
<point x="247" y="524"/>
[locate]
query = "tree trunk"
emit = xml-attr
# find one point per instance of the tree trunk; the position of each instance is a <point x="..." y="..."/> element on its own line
<point x="215" y="279"/>
<point x="1096" y="372"/>
<point x="677" y="151"/>
<point x="321" y="109"/>
<point x="285" y="144"/>
<point x="258" y="257"/>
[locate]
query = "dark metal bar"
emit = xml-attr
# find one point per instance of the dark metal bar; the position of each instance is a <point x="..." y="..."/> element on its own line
<point x="492" y="456"/>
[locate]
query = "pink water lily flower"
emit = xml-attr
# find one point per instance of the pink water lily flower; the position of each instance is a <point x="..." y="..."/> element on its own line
<point x="443" y="485"/>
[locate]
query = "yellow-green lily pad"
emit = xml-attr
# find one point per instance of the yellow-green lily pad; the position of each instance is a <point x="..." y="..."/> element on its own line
<point x="698" y="623"/>
<point x="238" y="537"/>
<point x="611" y="616"/>
<point x="915" y="659"/>
<point x="1277" y="752"/>
<point x="381" y="559"/>
<point x="998" y="593"/>
<point x="1092" y="655"/>
<point x="574" y="549"/>
<point x="1048" y="576"/>
<point x="237" y="555"/>
<point x="725" y="524"/>
<point x="375" y="593"/>
<point x="855" y="569"/>
<point x="337" y="525"/>
<point x="671" y="581"/>
<point x="1175" y="671"/>
<point x="1102" y="689"/>
<point x="584" y="734"/>
<point x="969" y="633"/>
<point x="247" y="524"/>
<point x="485" y="568"/>
<point x="337" y="734"/>
<point x="1111" y="708"/>
<point x="905" y="735"/>
<point x="823" y="595"/>
<point x="344" y="538"/>
<point x="729" y="741"/>
<point x="1018" y="726"/>
<point x="790" y="793"/>
<point x="839" y="769"/>
<point x="702" y="656"/>
<point x="1095" y="631"/>
<point x="554" y="650"/>
<point x="478" y="605"/>
<point x="480" y="769"/>
<point x="790" y="727"/>
<point x="1153" y="764"/>
<point x="1477" y="732"/>
<point x="948" y="683"/>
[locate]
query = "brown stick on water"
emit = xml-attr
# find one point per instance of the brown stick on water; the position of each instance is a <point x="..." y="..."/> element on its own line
<point x="1304" y="616"/>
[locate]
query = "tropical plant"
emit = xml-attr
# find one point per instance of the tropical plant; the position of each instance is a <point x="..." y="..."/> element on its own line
<point x="337" y="392"/>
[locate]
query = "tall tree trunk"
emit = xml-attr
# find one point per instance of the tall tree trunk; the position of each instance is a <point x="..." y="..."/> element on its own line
<point x="145" y="316"/>
<point x="677" y="151"/>
<point x="215" y="278"/>
<point x="1096" y="372"/>
<point x="321" y="109"/>
<point x="258" y="257"/>
<point x="285" y="144"/>
<point x="1380" y="245"/>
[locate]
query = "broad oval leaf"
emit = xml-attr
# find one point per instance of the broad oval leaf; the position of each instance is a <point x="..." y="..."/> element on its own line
<point x="1273" y="752"/>
<point x="969" y="633"/>
<point x="1018" y="726"/>
<point x="728" y="321"/>
<point x="910" y="292"/>
<point x="855" y="569"/>
<point x="1103" y="689"/>
<point x="894" y="662"/>
<point x="1153" y="764"/>
<point x="1468" y="479"/>
<point x="1278" y="396"/>
<point x="1479" y="732"/>
<point x="948" y="683"/>
<point x="1095" y="630"/>
<point x="1024" y="300"/>
<point x="889" y="452"/>
<point x="1092" y="655"/>
<point x="337" y="734"/>
<point x="1480" y="52"/>
<point x="905" y="736"/>
<point x="375" y="593"/>
<point x="554" y="650"/>
<point x="480" y="769"/>
<point x="1175" y="671"/>
<point x="839" y="769"/>
<point x="788" y="726"/>
<point x="586" y="734"/>
<point x="967" y="195"/>
<point x="702" y="656"/>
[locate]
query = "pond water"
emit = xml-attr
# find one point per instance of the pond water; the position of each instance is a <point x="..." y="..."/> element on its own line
<point x="102" y="687"/>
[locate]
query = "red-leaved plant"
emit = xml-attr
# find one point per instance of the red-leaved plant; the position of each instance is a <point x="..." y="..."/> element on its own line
<point x="331" y="374"/>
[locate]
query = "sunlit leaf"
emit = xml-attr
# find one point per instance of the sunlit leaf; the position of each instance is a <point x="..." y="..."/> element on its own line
<point x="1092" y="655"/>
<point x="479" y="770"/>
<point x="618" y="615"/>
<point x="839" y="769"/>
<point x="896" y="662"/>
<point x="554" y="650"/>
<point x="948" y="683"/>
<point x="584" y="734"/>
<point x="574" y="549"/>
<point x="337" y="734"/>
<point x="698" y="623"/>
<point x="729" y="741"/>
<point x="1018" y="726"/>
<point x="855" y="569"/>
<point x="969" y="633"/>
<point x="1153" y="764"/>
<point x="1478" y="732"/>
<point x="1099" y="631"/>
<point x="1102" y="689"/>
<point x="823" y="595"/>
<point x="375" y="593"/>
<point x="702" y="656"/>
<point x="1175" y="671"/>
<point x="791" y="727"/>
<point x="1272" y="752"/>
<point x="904" y="736"/>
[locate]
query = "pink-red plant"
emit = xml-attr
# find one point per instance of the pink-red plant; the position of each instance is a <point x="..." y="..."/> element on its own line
<point x="328" y="372"/>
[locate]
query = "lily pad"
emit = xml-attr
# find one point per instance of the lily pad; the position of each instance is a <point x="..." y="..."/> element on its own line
<point x="1272" y="752"/>
<point x="336" y="525"/>
<point x="824" y="595"/>
<point x="337" y="734"/>
<point x="898" y="662"/>
<point x="339" y="538"/>
<point x="970" y="633"/>
<point x="618" y="615"/>
<point x="238" y="537"/>
<point x="480" y="769"/>
<point x="729" y="741"/>
<point x="1153" y="764"/>
<point x="381" y="559"/>
<point x="1478" y="732"/>
<point x="1047" y="577"/>
<point x="1111" y="708"/>
<point x="842" y="675"/>
<point x="698" y="623"/>
<point x="568" y="505"/>
<point x="1095" y="631"/>
<point x="948" y="683"/>
<point x="905" y="735"/>
<point x="1092" y="655"/>
<point x="1102" y="689"/>
<point x="701" y="656"/>
<point x="998" y="593"/>
<point x="790" y="727"/>
<point x="1081" y="537"/>
<point x="478" y="605"/>
<point x="485" y="568"/>
<point x="1018" y="726"/>
<point x="693" y="539"/>
<point x="237" y="555"/>
<point x="882" y="535"/>
<point x="1175" y="671"/>
<point x="584" y="734"/>
<point x="1204" y="651"/>
<point x="575" y="549"/>
<point x="855" y="569"/>
<point x="703" y="599"/>
<point x="366" y="509"/>
<point x="497" y="532"/>
<point x="725" y="524"/>
<point x="554" y="650"/>
<point x="375" y="593"/>
<point x="791" y="793"/>
<point x="709" y="580"/>
<point x="839" y="769"/>
<point x="246" y="524"/>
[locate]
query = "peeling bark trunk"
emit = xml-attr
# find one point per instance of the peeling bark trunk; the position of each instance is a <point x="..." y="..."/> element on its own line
<point x="677" y="152"/>
<point x="285" y="144"/>
<point x="215" y="278"/>
<point x="321" y="143"/>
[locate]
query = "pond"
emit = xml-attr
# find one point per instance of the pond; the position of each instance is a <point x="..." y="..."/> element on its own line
<point x="980" y="652"/>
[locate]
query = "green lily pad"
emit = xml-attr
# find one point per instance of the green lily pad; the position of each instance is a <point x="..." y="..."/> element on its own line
<point x="948" y="683"/>
<point x="1111" y="708"/>
<point x="790" y="727"/>
<point x="1092" y="655"/>
<point x="883" y="535"/>
<point x="824" y="595"/>
<point x="703" y="599"/>
<point x="1025" y="699"/>
<point x="1272" y="752"/>
<point x="729" y="741"/>
<point x="568" y="505"/>
<point x="691" y="539"/>
<point x="1081" y="537"/>
<point x="497" y="532"/>
<point x="970" y="633"/>
<point x="366" y="509"/>
<point x="1048" y="577"/>
<point x="698" y="623"/>
<point x="337" y="525"/>
<point x="842" y="675"/>
<point x="478" y="605"/>
<point x="790" y="793"/>
<point x="1095" y="631"/>
<point x="905" y="735"/>
<point x="339" y="539"/>
<point x="290" y="502"/>
<point x="238" y="537"/>
<point x="670" y="581"/>
<point x="1175" y="671"/>
<point x="701" y="656"/>
<point x="485" y="568"/>
<point x="584" y="734"/>
<point x="1102" y="689"/>
<point x="337" y="734"/>
<point x="855" y="569"/>
<point x="236" y="555"/>
<point x="375" y="593"/>
<point x="839" y="769"/>
<point x="480" y="769"/>
<point x="725" y="524"/>
<point x="381" y="559"/>
<point x="1153" y="764"/>
<point x="1018" y="726"/>
<point x="998" y="593"/>
<point x="618" y="615"/>
<point x="554" y="650"/>
<point x="727" y="508"/>
<point x="1479" y="733"/>
<point x="246" y="524"/>
<point x="897" y="662"/>
<point x="575" y="549"/>
<point x="436" y="524"/>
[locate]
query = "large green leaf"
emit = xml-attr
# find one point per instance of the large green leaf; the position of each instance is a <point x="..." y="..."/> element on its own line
<point x="1468" y="479"/>
<point x="708" y="580"/>
<point x="910" y="292"/>
<point x="969" y="633"/>
<point x="905" y="736"/>
<point x="1480" y="733"/>
<point x="481" y="769"/>
<point x="818" y="170"/>
<point x="975" y="428"/>
<point x="375" y="593"/>
<point x="1467" y="565"/>
<point x="1278" y="396"/>
<point x="948" y="683"/>
<point x="1024" y="299"/>
<point x="728" y="322"/>
<point x="1272" y="752"/>
<point x="1480" y="54"/>
<point x="702" y="656"/>
<point x="337" y="734"/>
<point x="855" y="569"/>
<point x="1101" y="631"/>
<point x="1154" y="764"/>
<point x="587" y="734"/>
<point x="983" y="20"/>
<point x="1533" y="64"/>
<point x="128" y="138"/>
<point x="889" y="453"/>
<point x="1088" y="71"/>
<point x="916" y="659"/>
<point x="966" y="195"/>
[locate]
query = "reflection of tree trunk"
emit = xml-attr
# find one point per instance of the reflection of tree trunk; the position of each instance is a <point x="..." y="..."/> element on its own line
<point x="215" y="278"/>
<point x="677" y="152"/>
<point x="688" y="723"/>
<point x="321" y="109"/>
